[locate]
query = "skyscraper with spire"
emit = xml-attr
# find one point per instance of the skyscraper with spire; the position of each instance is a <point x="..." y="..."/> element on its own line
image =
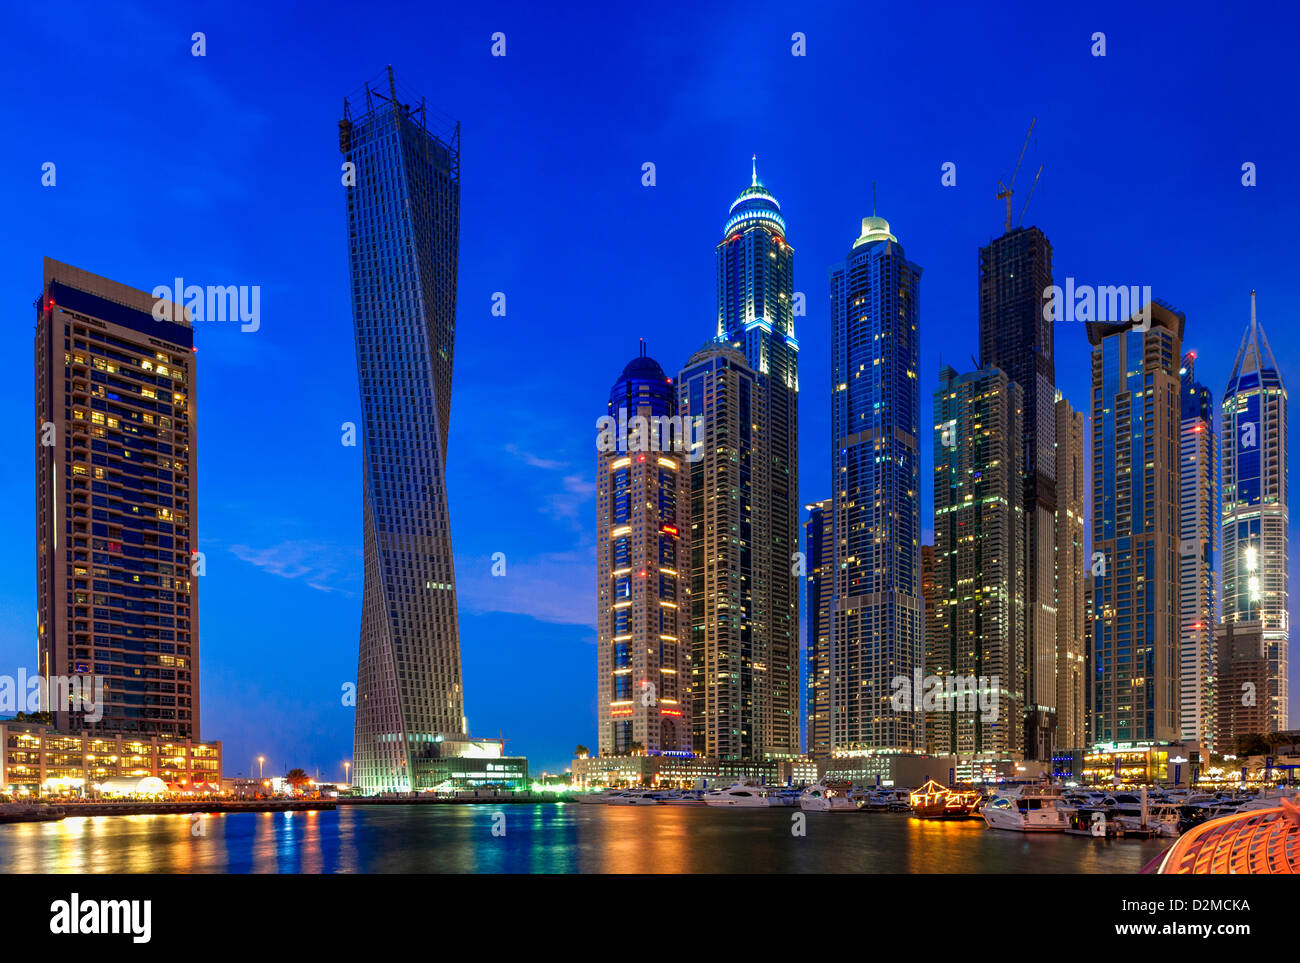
<point x="1255" y="515"/>
<point x="403" y="228"/>
<point x="876" y="609"/>
<point x="755" y="271"/>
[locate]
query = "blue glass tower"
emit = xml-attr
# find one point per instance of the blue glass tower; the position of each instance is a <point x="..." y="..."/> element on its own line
<point x="1256" y="512"/>
<point x="403" y="231"/>
<point x="756" y="317"/>
<point x="876" y="612"/>
<point x="1136" y="419"/>
<point x="819" y="550"/>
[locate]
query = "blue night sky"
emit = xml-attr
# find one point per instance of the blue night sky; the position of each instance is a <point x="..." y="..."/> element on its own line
<point x="225" y="170"/>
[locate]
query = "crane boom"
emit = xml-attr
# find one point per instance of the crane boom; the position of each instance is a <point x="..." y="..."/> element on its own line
<point x="1031" y="195"/>
<point x="1006" y="190"/>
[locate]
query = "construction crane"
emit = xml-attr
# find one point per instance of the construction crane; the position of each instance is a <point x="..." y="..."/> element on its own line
<point x="1005" y="190"/>
<point x="1031" y="195"/>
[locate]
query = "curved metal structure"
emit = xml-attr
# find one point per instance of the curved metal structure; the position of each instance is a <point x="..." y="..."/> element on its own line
<point x="1263" y="841"/>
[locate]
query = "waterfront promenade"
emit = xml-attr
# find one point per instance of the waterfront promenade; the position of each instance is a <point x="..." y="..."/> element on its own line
<point x="550" y="838"/>
<point x="44" y="812"/>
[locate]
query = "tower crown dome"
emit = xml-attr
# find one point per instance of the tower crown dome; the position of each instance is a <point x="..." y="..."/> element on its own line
<point x="754" y="203"/>
<point x="874" y="229"/>
<point x="642" y="368"/>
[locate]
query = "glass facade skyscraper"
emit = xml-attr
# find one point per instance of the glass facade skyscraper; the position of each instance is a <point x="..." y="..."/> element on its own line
<point x="729" y="682"/>
<point x="755" y="274"/>
<point x="1256" y="513"/>
<point x="1017" y="335"/>
<point x="1134" y="670"/>
<point x="819" y="556"/>
<point x="403" y="229"/>
<point x="876" y="611"/>
<point x="978" y="627"/>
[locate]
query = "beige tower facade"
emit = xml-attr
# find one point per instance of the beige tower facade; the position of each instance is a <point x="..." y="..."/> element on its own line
<point x="643" y="551"/>
<point x="1070" y="568"/>
<point x="731" y="688"/>
<point x="116" y="503"/>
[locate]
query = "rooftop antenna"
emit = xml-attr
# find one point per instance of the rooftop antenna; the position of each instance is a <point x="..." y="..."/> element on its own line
<point x="643" y="347"/>
<point x="873" y="198"/>
<point x="1005" y="190"/>
<point x="1252" y="307"/>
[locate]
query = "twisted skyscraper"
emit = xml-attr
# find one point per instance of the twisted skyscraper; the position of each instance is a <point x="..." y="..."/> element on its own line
<point x="403" y="230"/>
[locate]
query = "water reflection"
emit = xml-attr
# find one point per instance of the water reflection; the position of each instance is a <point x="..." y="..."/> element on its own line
<point x="548" y="838"/>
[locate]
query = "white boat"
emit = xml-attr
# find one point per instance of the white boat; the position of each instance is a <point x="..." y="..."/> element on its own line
<point x="634" y="797"/>
<point x="596" y="798"/>
<point x="682" y="797"/>
<point x="1135" y="814"/>
<point x="1269" y="799"/>
<point x="882" y="800"/>
<point x="738" y="796"/>
<point x="1161" y="819"/>
<point x="784" y="797"/>
<point x="826" y="799"/>
<point x="1031" y="810"/>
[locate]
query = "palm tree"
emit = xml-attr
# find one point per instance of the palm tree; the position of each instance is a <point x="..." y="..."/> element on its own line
<point x="581" y="752"/>
<point x="297" y="778"/>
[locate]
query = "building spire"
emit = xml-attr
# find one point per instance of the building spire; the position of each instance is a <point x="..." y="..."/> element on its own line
<point x="1252" y="307"/>
<point x="643" y="347"/>
<point x="754" y="176"/>
<point x="873" y="198"/>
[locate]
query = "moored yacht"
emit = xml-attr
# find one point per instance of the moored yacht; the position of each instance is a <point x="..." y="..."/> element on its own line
<point x="738" y="796"/>
<point x="1157" y="819"/>
<point x="828" y="799"/>
<point x="1031" y="810"/>
<point x="683" y="797"/>
<point x="634" y="797"/>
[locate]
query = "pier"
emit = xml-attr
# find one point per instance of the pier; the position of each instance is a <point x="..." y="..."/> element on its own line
<point x="456" y="798"/>
<point x="140" y="807"/>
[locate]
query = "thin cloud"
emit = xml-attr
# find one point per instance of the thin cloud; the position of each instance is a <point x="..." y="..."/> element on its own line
<point x="318" y="565"/>
<point x="554" y="588"/>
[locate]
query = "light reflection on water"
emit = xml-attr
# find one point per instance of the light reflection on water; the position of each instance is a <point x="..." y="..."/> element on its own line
<point x="549" y="838"/>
